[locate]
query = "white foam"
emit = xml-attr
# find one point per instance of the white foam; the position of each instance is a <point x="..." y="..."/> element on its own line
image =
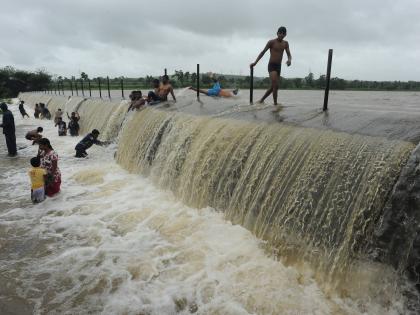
<point x="112" y="243"/>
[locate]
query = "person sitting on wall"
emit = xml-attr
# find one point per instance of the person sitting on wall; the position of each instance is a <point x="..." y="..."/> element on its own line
<point x="153" y="96"/>
<point x="137" y="100"/>
<point x="74" y="123"/>
<point x="34" y="135"/>
<point x="165" y="88"/>
<point x="89" y="140"/>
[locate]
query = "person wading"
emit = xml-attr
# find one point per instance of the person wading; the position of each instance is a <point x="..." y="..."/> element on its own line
<point x="8" y="126"/>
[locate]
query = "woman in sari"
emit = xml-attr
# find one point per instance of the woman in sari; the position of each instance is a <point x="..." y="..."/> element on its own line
<point x="49" y="161"/>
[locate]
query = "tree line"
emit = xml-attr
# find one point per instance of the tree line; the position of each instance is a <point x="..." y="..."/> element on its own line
<point x="13" y="81"/>
<point x="181" y="79"/>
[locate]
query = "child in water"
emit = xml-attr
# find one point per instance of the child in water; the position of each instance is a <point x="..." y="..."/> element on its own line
<point x="62" y="128"/>
<point x="74" y="123"/>
<point x="37" y="175"/>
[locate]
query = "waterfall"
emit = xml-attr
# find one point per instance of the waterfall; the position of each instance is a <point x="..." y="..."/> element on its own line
<point x="312" y="195"/>
<point x="315" y="196"/>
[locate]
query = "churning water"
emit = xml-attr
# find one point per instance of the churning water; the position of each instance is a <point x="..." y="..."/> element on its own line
<point x="200" y="215"/>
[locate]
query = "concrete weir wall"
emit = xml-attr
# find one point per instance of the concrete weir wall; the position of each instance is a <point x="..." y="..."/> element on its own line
<point x="346" y="182"/>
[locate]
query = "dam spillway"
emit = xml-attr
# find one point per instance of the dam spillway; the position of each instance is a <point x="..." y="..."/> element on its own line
<point x="316" y="194"/>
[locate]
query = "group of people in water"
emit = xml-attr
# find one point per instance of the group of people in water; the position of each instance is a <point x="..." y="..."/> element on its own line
<point x="45" y="174"/>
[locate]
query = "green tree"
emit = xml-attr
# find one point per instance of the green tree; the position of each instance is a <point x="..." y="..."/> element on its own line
<point x="13" y="81"/>
<point x="309" y="79"/>
<point x="84" y="76"/>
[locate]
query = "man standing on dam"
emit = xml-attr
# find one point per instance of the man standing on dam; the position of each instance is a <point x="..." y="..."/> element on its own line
<point x="277" y="47"/>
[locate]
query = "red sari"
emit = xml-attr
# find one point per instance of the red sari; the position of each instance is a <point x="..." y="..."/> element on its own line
<point x="54" y="176"/>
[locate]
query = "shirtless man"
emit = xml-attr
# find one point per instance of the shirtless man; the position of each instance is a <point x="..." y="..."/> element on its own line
<point x="277" y="46"/>
<point x="166" y="88"/>
<point x="137" y="100"/>
<point x="34" y="135"/>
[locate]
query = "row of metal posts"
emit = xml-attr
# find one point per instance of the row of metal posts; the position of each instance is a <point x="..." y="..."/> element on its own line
<point x="60" y="88"/>
<point x="251" y="87"/>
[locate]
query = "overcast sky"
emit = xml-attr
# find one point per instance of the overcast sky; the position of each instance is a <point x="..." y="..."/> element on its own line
<point x="372" y="39"/>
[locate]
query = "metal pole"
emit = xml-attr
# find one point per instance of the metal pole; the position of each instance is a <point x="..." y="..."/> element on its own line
<point x="90" y="90"/>
<point x="71" y="87"/>
<point x="122" y="88"/>
<point x="166" y="72"/>
<point x="198" y="81"/>
<point x="107" y="82"/>
<point x="251" y="86"/>
<point x="327" y="88"/>
<point x="83" y="90"/>
<point x="75" y="86"/>
<point x="100" y="91"/>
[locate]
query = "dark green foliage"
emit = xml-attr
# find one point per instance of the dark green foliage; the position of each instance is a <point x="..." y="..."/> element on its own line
<point x="181" y="79"/>
<point x="13" y="81"/>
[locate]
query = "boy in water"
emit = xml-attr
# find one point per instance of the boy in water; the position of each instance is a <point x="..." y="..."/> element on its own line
<point x="22" y="109"/>
<point x="74" y="123"/>
<point x="37" y="111"/>
<point x="62" y="128"/>
<point x="58" y="114"/>
<point x="137" y="100"/>
<point x="277" y="47"/>
<point x="89" y="140"/>
<point x="34" y="135"/>
<point x="45" y="113"/>
<point x="37" y="175"/>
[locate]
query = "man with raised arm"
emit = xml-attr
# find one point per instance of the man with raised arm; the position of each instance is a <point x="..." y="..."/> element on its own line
<point x="277" y="47"/>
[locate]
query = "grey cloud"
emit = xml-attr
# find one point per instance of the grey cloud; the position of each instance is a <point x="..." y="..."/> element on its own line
<point x="130" y="37"/>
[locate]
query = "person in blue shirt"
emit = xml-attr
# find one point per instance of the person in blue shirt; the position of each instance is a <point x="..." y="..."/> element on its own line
<point x="216" y="90"/>
<point x="89" y="140"/>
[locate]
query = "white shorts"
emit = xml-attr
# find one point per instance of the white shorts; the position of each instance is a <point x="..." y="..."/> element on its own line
<point x="38" y="195"/>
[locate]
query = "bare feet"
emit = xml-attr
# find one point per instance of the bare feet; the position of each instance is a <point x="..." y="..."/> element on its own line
<point x="277" y="108"/>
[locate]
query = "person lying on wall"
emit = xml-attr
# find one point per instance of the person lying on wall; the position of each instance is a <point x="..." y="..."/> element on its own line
<point x="216" y="89"/>
<point x="89" y="140"/>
